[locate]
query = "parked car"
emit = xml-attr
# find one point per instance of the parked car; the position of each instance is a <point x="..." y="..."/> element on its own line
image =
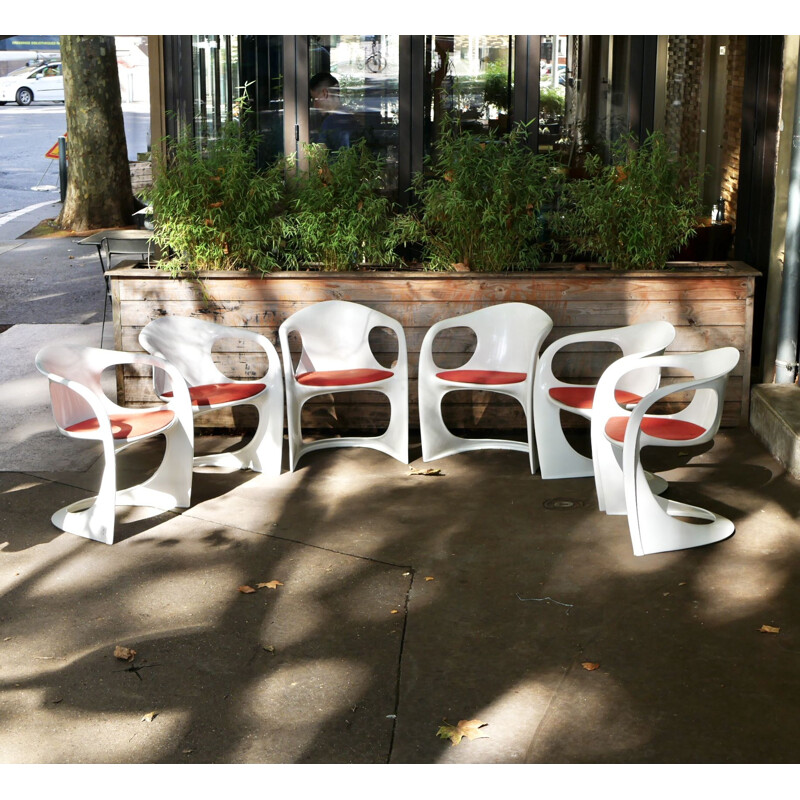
<point x="41" y="82"/>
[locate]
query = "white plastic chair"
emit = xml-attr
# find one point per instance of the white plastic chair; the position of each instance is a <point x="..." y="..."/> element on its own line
<point x="557" y="457"/>
<point x="83" y="411"/>
<point x="654" y="521"/>
<point x="187" y="344"/>
<point x="509" y="336"/>
<point x="336" y="357"/>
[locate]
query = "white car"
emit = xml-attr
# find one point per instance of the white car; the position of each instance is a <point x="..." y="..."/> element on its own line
<point x="24" y="85"/>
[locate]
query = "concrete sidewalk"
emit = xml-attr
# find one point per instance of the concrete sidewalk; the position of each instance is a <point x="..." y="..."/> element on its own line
<point x="404" y="601"/>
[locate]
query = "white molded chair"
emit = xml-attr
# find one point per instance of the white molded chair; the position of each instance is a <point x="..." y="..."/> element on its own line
<point x="83" y="411"/>
<point x="336" y="357"/>
<point x="187" y="344"/>
<point x="557" y="457"/>
<point x="654" y="522"/>
<point x="509" y="336"/>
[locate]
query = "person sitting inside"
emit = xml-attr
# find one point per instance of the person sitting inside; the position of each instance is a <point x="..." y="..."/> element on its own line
<point x="337" y="127"/>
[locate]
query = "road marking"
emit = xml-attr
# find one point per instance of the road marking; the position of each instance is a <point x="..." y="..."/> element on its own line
<point x="12" y="215"/>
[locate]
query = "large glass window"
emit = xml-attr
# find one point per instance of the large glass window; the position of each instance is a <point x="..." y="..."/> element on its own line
<point x="553" y="81"/>
<point x="469" y="78"/>
<point x="262" y="80"/>
<point x="215" y="79"/>
<point x="354" y="93"/>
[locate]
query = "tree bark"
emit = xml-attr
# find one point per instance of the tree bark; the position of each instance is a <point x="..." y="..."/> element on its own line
<point x="99" y="191"/>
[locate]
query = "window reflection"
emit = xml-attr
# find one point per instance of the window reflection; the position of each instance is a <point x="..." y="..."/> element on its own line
<point x="470" y="79"/>
<point x="215" y="77"/>
<point x="353" y="94"/>
<point x="554" y="74"/>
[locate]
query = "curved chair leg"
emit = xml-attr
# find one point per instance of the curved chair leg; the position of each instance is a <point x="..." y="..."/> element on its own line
<point x="439" y="442"/>
<point x="94" y="517"/>
<point x="171" y="484"/>
<point x="393" y="441"/>
<point x="654" y="523"/>
<point x="557" y="457"/>
<point x="263" y="453"/>
<point x="609" y="481"/>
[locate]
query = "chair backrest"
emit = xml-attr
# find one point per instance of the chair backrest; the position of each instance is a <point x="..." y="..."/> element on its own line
<point x="644" y="339"/>
<point x="69" y="367"/>
<point x="187" y="343"/>
<point x="335" y="335"/>
<point x="509" y="335"/>
<point x="709" y="372"/>
<point x="116" y="246"/>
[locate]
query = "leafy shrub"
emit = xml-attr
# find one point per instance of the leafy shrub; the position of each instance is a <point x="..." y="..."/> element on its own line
<point x="480" y="203"/>
<point x="213" y="209"/>
<point x="338" y="215"/>
<point x="634" y="212"/>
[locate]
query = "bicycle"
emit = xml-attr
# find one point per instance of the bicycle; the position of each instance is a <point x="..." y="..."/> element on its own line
<point x="374" y="62"/>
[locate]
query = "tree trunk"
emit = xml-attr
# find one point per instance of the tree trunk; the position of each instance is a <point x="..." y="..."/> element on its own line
<point x="99" y="191"/>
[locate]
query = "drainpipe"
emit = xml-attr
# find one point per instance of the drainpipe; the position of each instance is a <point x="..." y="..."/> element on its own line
<point x="786" y="355"/>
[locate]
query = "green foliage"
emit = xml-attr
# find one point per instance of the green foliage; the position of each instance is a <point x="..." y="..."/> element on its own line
<point x="634" y="212"/>
<point x="495" y="86"/>
<point x="212" y="208"/>
<point x="338" y="215"/>
<point x="481" y="203"/>
<point x="551" y="101"/>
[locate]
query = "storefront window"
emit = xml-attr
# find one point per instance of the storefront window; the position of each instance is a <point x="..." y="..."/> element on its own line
<point x="470" y="79"/>
<point x="215" y="78"/>
<point x="353" y="94"/>
<point x="554" y="75"/>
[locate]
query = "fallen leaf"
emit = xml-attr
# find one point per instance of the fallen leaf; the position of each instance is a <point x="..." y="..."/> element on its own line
<point x="269" y="648"/>
<point x="430" y="471"/>
<point x="768" y="629"/>
<point x="124" y="653"/>
<point x="269" y="585"/>
<point x="149" y="716"/>
<point x="429" y="578"/>
<point x="590" y="665"/>
<point x="466" y="727"/>
<point x="394" y="611"/>
<point x="246" y="589"/>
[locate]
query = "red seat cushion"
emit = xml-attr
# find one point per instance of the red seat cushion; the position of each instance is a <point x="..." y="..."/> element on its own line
<point x="583" y="396"/>
<point x="484" y="377"/>
<point x="676" y="430"/>
<point x="128" y="426"/>
<point x="343" y="377"/>
<point x="214" y="394"/>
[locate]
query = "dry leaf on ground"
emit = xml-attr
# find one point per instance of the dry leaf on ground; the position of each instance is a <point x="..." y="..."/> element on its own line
<point x="430" y="471"/>
<point x="429" y="577"/>
<point x="471" y="728"/>
<point x="246" y="589"/>
<point x="124" y="653"/>
<point x="269" y="585"/>
<point x="590" y="665"/>
<point x="149" y="716"/>
<point x="768" y="629"/>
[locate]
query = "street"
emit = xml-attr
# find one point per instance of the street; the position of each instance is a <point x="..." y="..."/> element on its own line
<point x="27" y="133"/>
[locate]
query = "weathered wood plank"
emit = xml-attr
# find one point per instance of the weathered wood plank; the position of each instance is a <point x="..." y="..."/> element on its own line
<point x="708" y="312"/>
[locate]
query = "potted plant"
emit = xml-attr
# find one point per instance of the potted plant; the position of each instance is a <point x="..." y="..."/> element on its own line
<point x="480" y="202"/>
<point x="483" y="204"/>
<point x="633" y="212"/>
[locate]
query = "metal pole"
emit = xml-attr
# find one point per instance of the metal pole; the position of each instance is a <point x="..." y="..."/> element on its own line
<point x="62" y="166"/>
<point x="786" y="355"/>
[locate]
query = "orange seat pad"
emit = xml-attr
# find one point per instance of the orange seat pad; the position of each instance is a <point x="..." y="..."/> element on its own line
<point x="214" y="394"/>
<point x="128" y="426"/>
<point x="676" y="430"/>
<point x="484" y="377"/>
<point x="343" y="377"/>
<point x="583" y="396"/>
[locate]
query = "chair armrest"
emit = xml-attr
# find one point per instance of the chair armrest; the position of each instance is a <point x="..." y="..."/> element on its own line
<point x="426" y="348"/>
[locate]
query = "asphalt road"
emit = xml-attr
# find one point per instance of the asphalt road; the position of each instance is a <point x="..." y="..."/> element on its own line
<point x="27" y="133"/>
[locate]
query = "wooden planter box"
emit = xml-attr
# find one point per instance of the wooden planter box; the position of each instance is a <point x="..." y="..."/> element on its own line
<point x="710" y="304"/>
